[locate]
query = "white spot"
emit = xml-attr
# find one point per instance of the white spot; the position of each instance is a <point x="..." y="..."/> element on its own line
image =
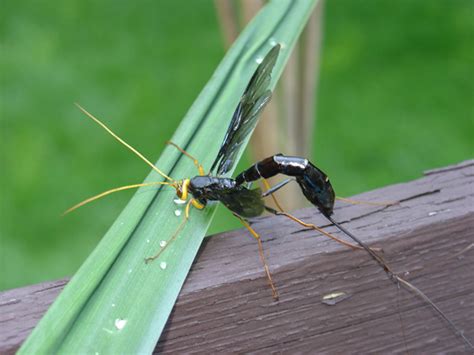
<point x="273" y="42"/>
<point x="178" y="201"/>
<point x="120" y="323"/>
<point x="163" y="243"/>
<point x="333" y="298"/>
<point x="148" y="240"/>
<point x="282" y="45"/>
<point x="432" y="214"/>
<point x="259" y="60"/>
<point x="113" y="304"/>
<point x="177" y="213"/>
<point x="163" y="265"/>
<point x="96" y="353"/>
<point x="130" y="271"/>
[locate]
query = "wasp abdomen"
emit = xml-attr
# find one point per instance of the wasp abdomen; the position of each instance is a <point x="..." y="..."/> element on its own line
<point x="313" y="182"/>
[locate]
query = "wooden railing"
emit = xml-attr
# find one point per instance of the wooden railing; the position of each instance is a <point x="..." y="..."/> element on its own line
<point x="226" y="304"/>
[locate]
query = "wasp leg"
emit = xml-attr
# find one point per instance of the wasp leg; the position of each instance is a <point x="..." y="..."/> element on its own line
<point x="312" y="226"/>
<point x="195" y="161"/>
<point x="180" y="228"/>
<point x="270" y="190"/>
<point x="358" y="202"/>
<point x="262" y="256"/>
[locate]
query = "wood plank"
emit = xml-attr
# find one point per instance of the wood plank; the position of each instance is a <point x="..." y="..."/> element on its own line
<point x="226" y="305"/>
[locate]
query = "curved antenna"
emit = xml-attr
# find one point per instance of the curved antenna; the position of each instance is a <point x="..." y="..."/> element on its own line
<point x="124" y="143"/>
<point x="108" y="192"/>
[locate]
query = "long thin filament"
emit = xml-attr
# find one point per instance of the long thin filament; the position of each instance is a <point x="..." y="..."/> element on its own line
<point x="124" y="143"/>
<point x="108" y="192"/>
<point x="358" y="202"/>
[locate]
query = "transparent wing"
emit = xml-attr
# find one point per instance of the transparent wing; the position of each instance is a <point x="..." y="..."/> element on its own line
<point x="245" y="117"/>
<point x="244" y="202"/>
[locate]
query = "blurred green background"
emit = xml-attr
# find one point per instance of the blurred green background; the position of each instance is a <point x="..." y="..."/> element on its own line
<point x="395" y="98"/>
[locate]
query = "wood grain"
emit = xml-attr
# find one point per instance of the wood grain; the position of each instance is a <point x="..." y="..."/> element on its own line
<point x="226" y="304"/>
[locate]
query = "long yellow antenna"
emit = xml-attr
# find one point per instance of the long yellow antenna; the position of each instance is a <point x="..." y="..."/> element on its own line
<point x="108" y="192"/>
<point x="124" y="143"/>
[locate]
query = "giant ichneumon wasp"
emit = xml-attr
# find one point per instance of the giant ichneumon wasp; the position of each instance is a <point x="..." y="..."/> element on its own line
<point x="242" y="201"/>
<point x="245" y="202"/>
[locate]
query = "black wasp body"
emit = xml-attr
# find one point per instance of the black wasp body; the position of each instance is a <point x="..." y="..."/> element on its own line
<point x="314" y="183"/>
<point x="244" y="202"/>
<point x="210" y="188"/>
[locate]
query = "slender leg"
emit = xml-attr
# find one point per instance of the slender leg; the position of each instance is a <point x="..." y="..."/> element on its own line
<point x="357" y="202"/>
<point x="270" y="191"/>
<point x="169" y="241"/>
<point x="322" y="231"/>
<point x="262" y="256"/>
<point x="195" y="161"/>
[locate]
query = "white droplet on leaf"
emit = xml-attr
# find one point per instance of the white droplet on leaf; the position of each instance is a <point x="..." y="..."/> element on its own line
<point x="273" y="42"/>
<point x="120" y="323"/>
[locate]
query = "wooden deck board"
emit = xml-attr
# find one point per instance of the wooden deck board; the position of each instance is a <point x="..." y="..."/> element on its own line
<point x="226" y="305"/>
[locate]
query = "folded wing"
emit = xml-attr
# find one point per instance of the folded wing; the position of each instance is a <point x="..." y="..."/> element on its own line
<point x="245" y="117"/>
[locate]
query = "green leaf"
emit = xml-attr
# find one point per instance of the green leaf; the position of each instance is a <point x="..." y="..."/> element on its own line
<point x="116" y="303"/>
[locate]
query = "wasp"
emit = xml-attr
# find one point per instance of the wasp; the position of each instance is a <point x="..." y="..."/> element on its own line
<point x="242" y="200"/>
<point x="317" y="189"/>
<point x="237" y="195"/>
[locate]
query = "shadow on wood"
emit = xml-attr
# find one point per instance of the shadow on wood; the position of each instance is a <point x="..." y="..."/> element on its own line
<point x="226" y="304"/>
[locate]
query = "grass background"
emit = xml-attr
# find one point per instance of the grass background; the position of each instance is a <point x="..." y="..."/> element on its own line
<point x="395" y="98"/>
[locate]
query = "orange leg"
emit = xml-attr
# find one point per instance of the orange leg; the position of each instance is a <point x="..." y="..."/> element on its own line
<point x="262" y="256"/>
<point x="357" y="202"/>
<point x="329" y="235"/>
<point x="180" y="228"/>
<point x="310" y="225"/>
<point x="195" y="161"/>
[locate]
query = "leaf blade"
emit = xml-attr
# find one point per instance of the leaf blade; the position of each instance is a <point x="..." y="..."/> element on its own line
<point x="116" y="302"/>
